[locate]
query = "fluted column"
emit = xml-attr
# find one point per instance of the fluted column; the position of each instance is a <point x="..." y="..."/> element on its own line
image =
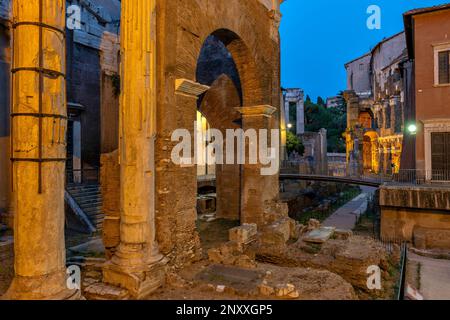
<point x="137" y="264"/>
<point x="38" y="128"/>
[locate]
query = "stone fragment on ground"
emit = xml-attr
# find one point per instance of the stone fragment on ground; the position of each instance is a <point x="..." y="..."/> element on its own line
<point x="244" y="234"/>
<point x="274" y="282"/>
<point x="234" y="254"/>
<point x="342" y="234"/>
<point x="103" y="291"/>
<point x="348" y="258"/>
<point x="320" y="235"/>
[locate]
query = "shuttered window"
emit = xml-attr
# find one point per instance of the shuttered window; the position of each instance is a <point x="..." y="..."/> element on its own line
<point x="444" y="69"/>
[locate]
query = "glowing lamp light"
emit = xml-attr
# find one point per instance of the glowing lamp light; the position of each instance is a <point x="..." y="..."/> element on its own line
<point x="289" y="125"/>
<point x="412" y="129"/>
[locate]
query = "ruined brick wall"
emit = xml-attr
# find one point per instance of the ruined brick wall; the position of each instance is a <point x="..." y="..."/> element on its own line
<point x="110" y="92"/>
<point x="246" y="28"/>
<point x="110" y="181"/>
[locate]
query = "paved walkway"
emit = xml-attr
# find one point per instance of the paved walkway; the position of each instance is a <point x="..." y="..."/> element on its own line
<point x="434" y="277"/>
<point x="345" y="216"/>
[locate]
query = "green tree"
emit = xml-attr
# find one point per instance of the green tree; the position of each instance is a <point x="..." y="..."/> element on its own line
<point x="334" y="120"/>
<point x="293" y="143"/>
<point x="321" y="102"/>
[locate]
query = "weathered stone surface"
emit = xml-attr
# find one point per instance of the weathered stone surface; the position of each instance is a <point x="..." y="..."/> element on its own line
<point x="313" y="224"/>
<point x="102" y="291"/>
<point x="348" y="258"/>
<point x="234" y="254"/>
<point x="206" y="204"/>
<point x="243" y="234"/>
<point x="419" y="197"/>
<point x="320" y="235"/>
<point x="401" y="223"/>
<point x="342" y="234"/>
<point x="426" y="238"/>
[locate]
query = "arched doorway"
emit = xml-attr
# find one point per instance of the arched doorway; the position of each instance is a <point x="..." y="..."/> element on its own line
<point x="216" y="68"/>
<point x="370" y="153"/>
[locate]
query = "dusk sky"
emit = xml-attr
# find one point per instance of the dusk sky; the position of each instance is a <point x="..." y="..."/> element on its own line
<point x="319" y="36"/>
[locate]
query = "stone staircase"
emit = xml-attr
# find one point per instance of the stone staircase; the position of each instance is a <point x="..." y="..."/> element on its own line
<point x="88" y="198"/>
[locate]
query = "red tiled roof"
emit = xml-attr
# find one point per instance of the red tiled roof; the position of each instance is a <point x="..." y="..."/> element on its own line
<point x="427" y="10"/>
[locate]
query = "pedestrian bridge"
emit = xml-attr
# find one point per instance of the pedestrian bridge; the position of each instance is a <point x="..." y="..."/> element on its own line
<point x="361" y="181"/>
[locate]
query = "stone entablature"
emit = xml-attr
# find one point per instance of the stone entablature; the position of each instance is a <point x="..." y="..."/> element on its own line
<point x="417" y="197"/>
<point x="95" y="21"/>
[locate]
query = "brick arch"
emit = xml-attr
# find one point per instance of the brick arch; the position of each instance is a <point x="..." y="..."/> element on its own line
<point x="246" y="29"/>
<point x="250" y="79"/>
<point x="219" y="102"/>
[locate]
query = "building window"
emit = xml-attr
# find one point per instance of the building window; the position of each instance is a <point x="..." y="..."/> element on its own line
<point x="440" y="154"/>
<point x="442" y="64"/>
<point x="437" y="149"/>
<point x="444" y="75"/>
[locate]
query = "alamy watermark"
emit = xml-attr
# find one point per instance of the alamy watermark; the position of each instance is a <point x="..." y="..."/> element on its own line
<point x="73" y="21"/>
<point x="73" y="281"/>
<point x="374" y="20"/>
<point x="212" y="147"/>
<point x="374" y="278"/>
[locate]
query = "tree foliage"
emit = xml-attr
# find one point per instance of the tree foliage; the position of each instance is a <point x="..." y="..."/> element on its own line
<point x="317" y="116"/>
<point x="293" y="143"/>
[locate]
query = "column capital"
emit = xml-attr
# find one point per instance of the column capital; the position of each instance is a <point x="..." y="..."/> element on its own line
<point x="256" y="111"/>
<point x="189" y="88"/>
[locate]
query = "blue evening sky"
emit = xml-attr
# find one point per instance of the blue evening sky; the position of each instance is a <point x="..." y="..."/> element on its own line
<point x="319" y="36"/>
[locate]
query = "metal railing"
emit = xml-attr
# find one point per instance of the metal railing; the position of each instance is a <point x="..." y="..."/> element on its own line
<point x="400" y="294"/>
<point x="341" y="169"/>
<point x="417" y="176"/>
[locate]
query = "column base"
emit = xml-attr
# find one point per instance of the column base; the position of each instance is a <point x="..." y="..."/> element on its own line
<point x="140" y="284"/>
<point x="49" y="287"/>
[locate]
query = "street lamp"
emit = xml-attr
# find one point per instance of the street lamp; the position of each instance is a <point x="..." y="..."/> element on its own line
<point x="289" y="125"/>
<point x="412" y="129"/>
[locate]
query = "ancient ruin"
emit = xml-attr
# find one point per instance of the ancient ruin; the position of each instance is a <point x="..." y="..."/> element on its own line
<point x="93" y="97"/>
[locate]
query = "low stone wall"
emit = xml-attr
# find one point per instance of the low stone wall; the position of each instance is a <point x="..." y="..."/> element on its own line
<point x="420" y="214"/>
<point x="425" y="228"/>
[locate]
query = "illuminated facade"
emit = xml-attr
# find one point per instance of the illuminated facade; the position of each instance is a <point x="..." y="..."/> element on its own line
<point x="375" y="108"/>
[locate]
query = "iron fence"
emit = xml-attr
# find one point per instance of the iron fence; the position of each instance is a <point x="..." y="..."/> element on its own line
<point x="341" y="169"/>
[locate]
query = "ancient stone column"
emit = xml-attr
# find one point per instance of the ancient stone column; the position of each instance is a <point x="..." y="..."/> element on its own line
<point x="258" y="189"/>
<point x="137" y="265"/>
<point x="38" y="150"/>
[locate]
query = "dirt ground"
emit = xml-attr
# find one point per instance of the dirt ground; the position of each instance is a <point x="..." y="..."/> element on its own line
<point x="202" y="283"/>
